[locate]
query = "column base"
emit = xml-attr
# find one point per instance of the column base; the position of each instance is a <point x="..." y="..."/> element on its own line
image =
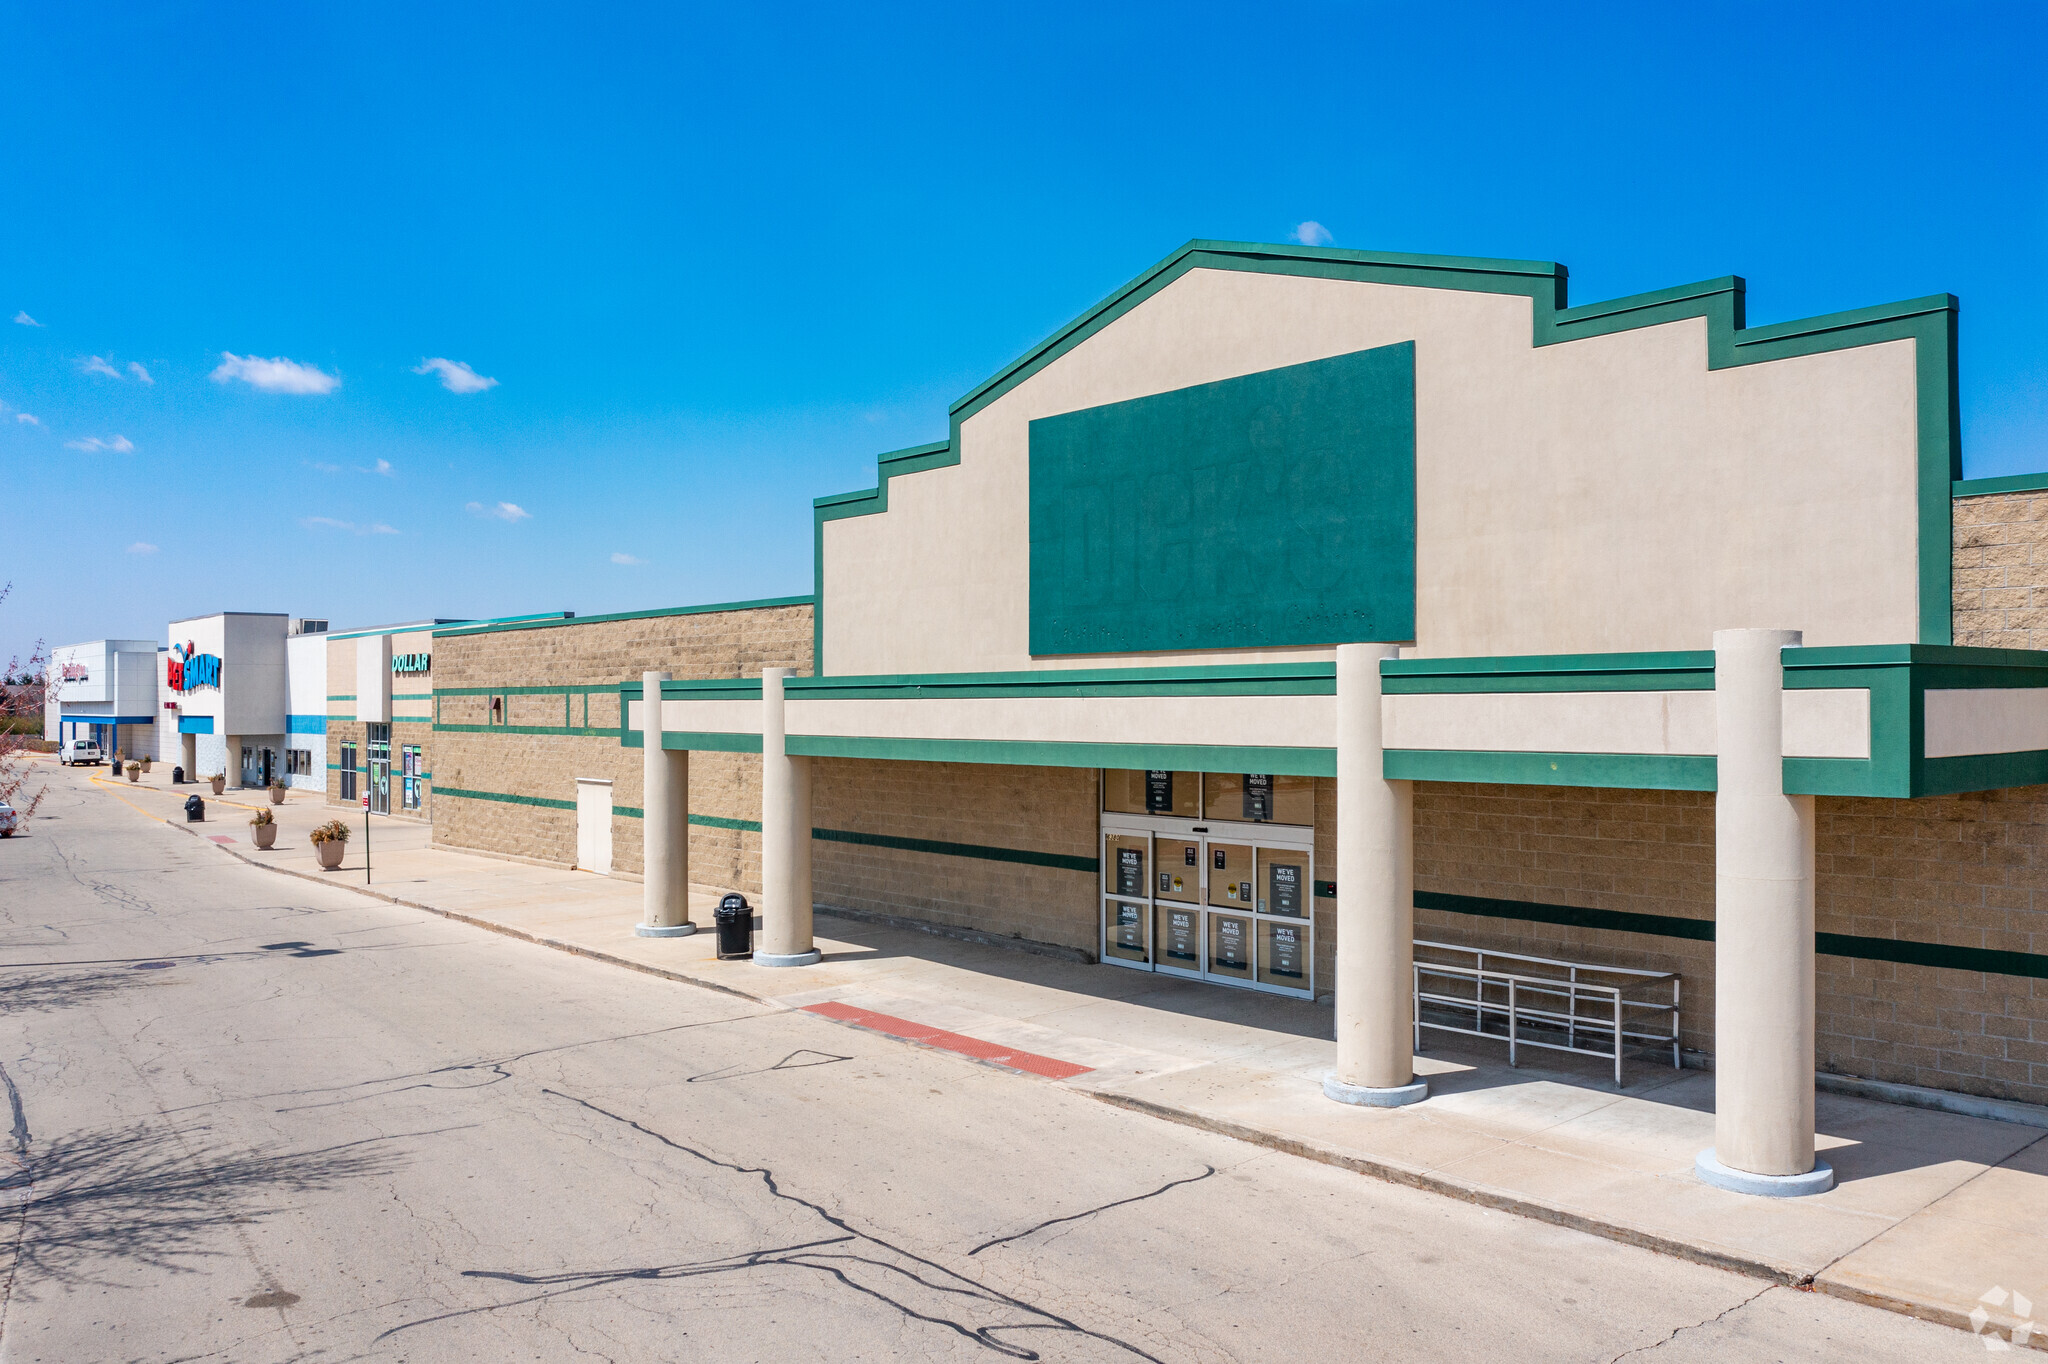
<point x="810" y="958"/>
<point x="1415" y="1091"/>
<point x="663" y="930"/>
<point x="1819" y="1179"/>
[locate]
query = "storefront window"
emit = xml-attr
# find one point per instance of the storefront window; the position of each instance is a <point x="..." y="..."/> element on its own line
<point x="1152" y="793"/>
<point x="1259" y="797"/>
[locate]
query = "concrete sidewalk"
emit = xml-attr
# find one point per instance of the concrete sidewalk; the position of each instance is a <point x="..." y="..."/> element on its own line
<point x="1935" y="1214"/>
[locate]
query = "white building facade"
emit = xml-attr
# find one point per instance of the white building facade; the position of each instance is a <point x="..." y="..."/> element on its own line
<point x="106" y="691"/>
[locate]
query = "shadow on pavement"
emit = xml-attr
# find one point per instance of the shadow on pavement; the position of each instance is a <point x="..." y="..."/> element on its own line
<point x="162" y="1197"/>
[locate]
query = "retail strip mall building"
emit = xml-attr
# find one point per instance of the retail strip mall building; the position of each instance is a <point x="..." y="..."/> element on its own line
<point x="1292" y="603"/>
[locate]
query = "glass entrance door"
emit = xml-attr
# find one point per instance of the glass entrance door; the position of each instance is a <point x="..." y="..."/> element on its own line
<point x="380" y="769"/>
<point x="1212" y="900"/>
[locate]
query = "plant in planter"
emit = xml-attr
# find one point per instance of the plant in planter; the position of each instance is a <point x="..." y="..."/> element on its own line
<point x="145" y="762"/>
<point x="277" y="790"/>
<point x="264" y="829"/>
<point x="330" y="841"/>
<point x="134" y="771"/>
<point x="219" y="781"/>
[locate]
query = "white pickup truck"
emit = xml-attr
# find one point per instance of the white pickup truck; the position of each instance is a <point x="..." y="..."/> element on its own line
<point x="74" y="752"/>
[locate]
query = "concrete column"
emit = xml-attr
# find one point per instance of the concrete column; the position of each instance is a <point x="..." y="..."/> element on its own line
<point x="664" y="824"/>
<point x="1763" y="934"/>
<point x="231" y="765"/>
<point x="1375" y="899"/>
<point x="188" y="755"/>
<point x="785" y="839"/>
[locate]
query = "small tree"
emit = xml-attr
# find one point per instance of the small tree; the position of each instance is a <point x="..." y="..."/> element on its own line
<point x="21" y="698"/>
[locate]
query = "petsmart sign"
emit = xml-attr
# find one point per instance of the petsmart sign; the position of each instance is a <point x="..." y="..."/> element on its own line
<point x="412" y="663"/>
<point x="190" y="670"/>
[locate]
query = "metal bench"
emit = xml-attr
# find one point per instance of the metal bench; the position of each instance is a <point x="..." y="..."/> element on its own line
<point x="1541" y="1002"/>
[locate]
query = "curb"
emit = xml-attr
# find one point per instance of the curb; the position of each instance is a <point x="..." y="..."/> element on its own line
<point x="1464" y="1193"/>
<point x="1932" y="1313"/>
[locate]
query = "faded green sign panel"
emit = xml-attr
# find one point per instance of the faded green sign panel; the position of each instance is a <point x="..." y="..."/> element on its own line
<point x="1273" y="509"/>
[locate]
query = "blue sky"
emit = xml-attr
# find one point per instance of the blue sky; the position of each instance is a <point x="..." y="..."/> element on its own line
<point x="715" y="260"/>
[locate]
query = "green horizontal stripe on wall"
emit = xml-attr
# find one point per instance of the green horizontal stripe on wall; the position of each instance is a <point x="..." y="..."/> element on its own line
<point x="542" y="801"/>
<point x="1026" y="857"/>
<point x="1986" y="960"/>
<point x="1023" y="856"/>
<point x="750" y="826"/>
<point x="1613" y="921"/>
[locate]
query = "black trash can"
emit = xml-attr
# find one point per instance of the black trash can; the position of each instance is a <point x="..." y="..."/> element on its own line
<point x="735" y="928"/>
<point x="116" y="765"/>
<point x="195" y="810"/>
<point x="177" y="776"/>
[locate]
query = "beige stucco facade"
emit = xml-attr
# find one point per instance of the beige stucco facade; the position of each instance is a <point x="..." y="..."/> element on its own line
<point x="1568" y="496"/>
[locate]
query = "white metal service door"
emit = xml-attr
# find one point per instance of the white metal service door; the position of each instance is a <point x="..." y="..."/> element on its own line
<point x="594" y="825"/>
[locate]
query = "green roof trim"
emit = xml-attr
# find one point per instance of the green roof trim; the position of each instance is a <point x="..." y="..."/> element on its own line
<point x="2004" y="483"/>
<point x="567" y="618"/>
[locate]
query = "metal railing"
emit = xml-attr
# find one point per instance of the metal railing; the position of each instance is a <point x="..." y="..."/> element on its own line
<point x="1542" y="1002"/>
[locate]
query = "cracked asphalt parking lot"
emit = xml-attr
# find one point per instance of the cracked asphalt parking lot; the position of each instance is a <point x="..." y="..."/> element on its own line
<point x="251" y="1118"/>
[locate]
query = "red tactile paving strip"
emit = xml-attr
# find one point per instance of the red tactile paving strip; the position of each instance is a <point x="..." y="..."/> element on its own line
<point x="995" y="1054"/>
<point x="220" y="838"/>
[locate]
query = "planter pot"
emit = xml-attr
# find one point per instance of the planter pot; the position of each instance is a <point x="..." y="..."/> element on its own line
<point x="277" y="795"/>
<point x="220" y="784"/>
<point x="265" y="834"/>
<point x="145" y="764"/>
<point x="134" y="772"/>
<point x="330" y="853"/>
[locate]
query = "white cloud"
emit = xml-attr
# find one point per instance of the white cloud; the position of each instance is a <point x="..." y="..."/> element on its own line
<point x="139" y="372"/>
<point x="94" y="364"/>
<point x="618" y="558"/>
<point x="25" y="320"/>
<point x="1313" y="233"/>
<point x="142" y="547"/>
<point x="502" y="511"/>
<point x="26" y="420"/>
<point x="275" y="375"/>
<point x="328" y="522"/>
<point x="327" y="468"/>
<point x="119" y="445"/>
<point x="383" y="467"/>
<point x="456" y="376"/>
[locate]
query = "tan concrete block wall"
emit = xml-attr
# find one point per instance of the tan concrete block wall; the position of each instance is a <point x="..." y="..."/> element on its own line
<point x="2001" y="570"/>
<point x="713" y="644"/>
<point x="344" y="731"/>
<point x="1038" y="809"/>
<point x="1956" y="870"/>
<point x="546" y="766"/>
<point x="1641" y="852"/>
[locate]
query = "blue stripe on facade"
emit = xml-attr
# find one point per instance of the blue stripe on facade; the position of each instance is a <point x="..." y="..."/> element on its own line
<point x="305" y="724"/>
